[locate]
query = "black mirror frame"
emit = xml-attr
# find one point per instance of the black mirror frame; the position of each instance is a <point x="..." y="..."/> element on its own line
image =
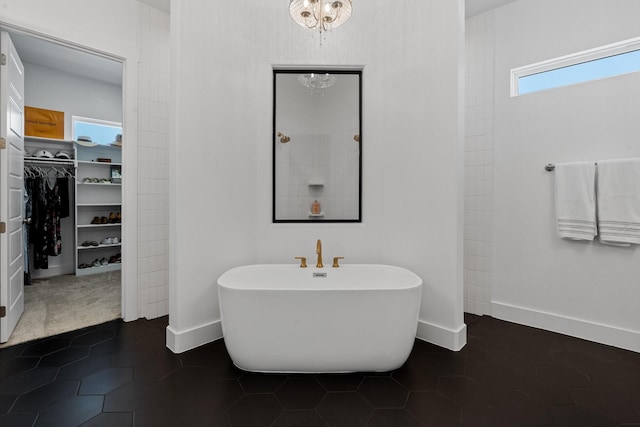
<point x="274" y="137"/>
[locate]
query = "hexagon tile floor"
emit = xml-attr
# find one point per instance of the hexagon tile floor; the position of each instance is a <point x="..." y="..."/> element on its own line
<point x="121" y="374"/>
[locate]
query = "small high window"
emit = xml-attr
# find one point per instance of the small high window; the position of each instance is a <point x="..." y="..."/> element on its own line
<point x="101" y="132"/>
<point x="606" y="61"/>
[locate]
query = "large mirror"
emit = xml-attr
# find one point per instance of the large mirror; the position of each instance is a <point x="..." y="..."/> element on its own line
<point x="317" y="156"/>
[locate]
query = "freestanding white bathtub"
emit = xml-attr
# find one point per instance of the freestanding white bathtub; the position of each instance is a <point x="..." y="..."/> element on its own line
<point x="283" y="318"/>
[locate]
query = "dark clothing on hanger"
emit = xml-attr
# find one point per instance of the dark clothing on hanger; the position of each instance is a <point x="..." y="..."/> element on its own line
<point x="39" y="223"/>
<point x="28" y="211"/>
<point x="50" y="202"/>
<point x="54" y="237"/>
<point x="65" y="200"/>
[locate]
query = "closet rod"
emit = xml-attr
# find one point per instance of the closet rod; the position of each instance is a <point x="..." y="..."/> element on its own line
<point x="39" y="160"/>
<point x="550" y="167"/>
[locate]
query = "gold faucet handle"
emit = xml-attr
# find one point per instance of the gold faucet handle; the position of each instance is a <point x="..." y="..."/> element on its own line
<point x="303" y="261"/>
<point x="335" y="261"/>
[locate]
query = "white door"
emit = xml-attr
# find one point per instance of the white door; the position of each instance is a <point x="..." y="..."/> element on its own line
<point x="11" y="165"/>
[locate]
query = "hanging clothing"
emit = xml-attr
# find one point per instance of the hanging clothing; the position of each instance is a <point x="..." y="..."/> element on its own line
<point x="27" y="210"/>
<point x="54" y="206"/>
<point x="65" y="199"/>
<point x="50" y="202"/>
<point x="39" y="222"/>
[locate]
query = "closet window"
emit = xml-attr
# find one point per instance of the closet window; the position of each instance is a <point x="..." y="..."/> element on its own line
<point x="101" y="132"/>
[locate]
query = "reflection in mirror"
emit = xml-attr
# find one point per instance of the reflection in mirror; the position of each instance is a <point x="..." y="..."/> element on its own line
<point x="317" y="154"/>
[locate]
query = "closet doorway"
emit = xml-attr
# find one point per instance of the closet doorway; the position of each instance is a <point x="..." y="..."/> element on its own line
<point x="72" y="262"/>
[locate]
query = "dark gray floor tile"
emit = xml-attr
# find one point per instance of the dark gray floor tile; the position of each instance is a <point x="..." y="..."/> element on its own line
<point x="45" y="396"/>
<point x="106" y="380"/>
<point x="300" y="392"/>
<point x="300" y="419"/>
<point x="71" y="412"/>
<point x="393" y="418"/>
<point x="255" y="410"/>
<point x="383" y="392"/>
<point x="18" y="420"/>
<point x="110" y="419"/>
<point x="345" y="409"/>
<point x="64" y="357"/>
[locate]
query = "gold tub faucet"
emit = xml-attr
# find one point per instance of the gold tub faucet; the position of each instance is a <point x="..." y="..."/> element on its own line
<point x="319" y="252"/>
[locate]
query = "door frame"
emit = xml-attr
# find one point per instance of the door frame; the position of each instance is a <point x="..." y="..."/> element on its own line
<point x="129" y="291"/>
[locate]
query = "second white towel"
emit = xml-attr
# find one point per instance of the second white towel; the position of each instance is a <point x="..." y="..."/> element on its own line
<point x="619" y="201"/>
<point x="576" y="200"/>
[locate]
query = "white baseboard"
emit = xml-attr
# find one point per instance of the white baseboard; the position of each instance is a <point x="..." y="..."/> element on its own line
<point x="179" y="342"/>
<point x="597" y="332"/>
<point x="441" y="336"/>
<point x="182" y="341"/>
<point x="52" y="271"/>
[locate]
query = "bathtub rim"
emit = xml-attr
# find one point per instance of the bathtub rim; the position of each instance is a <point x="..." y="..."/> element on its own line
<point x="418" y="282"/>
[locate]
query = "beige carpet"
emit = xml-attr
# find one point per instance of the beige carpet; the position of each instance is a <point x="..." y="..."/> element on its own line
<point x="66" y="303"/>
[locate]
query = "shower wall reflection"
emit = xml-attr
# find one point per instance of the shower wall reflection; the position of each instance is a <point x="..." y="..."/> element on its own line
<point x="316" y="146"/>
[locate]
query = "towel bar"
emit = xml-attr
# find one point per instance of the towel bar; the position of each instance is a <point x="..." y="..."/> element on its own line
<point x="550" y="167"/>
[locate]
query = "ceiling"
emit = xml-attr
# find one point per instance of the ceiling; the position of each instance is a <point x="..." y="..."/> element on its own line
<point x="472" y="7"/>
<point x="33" y="50"/>
<point x="164" y="5"/>
<point x="44" y="53"/>
<point x="476" y="7"/>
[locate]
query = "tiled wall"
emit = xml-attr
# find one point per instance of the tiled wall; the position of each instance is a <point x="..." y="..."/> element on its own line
<point x="478" y="206"/>
<point x="153" y="163"/>
<point x="305" y="161"/>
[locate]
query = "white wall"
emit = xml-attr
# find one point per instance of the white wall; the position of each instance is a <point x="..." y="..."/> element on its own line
<point x="153" y="164"/>
<point x="221" y="159"/>
<point x="76" y="96"/>
<point x="582" y="289"/>
<point x="73" y="94"/>
<point x="478" y="161"/>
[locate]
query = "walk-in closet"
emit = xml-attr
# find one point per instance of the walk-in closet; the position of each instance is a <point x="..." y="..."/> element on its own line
<point x="71" y="188"/>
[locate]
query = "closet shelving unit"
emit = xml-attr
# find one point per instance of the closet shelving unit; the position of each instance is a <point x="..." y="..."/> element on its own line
<point x="33" y="144"/>
<point x="97" y="200"/>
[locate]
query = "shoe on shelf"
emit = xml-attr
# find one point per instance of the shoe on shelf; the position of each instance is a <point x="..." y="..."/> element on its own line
<point x="118" y="217"/>
<point x="107" y="241"/>
<point x="94" y="243"/>
<point x="104" y="220"/>
<point x="113" y="259"/>
<point x="112" y="218"/>
<point x="81" y="266"/>
<point x="95" y="263"/>
<point x="95" y="220"/>
<point x="85" y="244"/>
<point x="115" y="240"/>
<point x="104" y="261"/>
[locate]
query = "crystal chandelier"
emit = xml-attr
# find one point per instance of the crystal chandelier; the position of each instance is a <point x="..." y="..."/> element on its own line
<point x="321" y="15"/>
<point x="315" y="81"/>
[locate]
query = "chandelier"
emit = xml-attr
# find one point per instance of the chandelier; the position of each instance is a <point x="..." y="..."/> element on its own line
<point x="321" y="15"/>
<point x="316" y="81"/>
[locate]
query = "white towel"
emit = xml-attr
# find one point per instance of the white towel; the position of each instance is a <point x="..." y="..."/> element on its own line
<point x="619" y="201"/>
<point x="576" y="200"/>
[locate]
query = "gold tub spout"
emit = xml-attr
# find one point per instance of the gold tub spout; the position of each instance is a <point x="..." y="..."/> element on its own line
<point x="319" y="252"/>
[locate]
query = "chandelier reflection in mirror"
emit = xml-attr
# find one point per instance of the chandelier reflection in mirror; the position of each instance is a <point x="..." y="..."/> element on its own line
<point x="321" y="15"/>
<point x="315" y="81"/>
